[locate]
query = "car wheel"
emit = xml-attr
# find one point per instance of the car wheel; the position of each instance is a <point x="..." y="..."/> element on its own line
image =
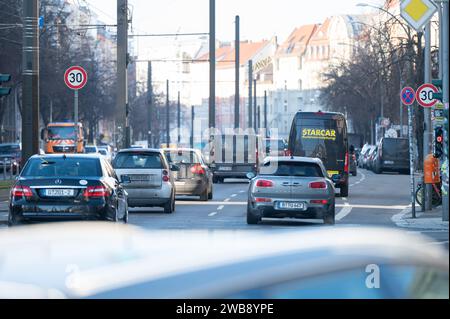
<point x="210" y="194"/>
<point x="215" y="179"/>
<point x="125" y="217"/>
<point x="252" y="219"/>
<point x="329" y="217"/>
<point x="343" y="190"/>
<point x="204" y="195"/>
<point x="13" y="221"/>
<point x="169" y="207"/>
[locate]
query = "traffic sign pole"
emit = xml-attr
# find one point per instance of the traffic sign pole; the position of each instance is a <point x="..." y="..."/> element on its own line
<point x="75" y="107"/>
<point x="411" y="161"/>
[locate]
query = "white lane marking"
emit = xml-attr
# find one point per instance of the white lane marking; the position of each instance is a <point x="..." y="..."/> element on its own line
<point x="191" y="203"/>
<point x="226" y="200"/>
<point x="234" y="195"/>
<point x="393" y="207"/>
<point x="212" y="214"/>
<point x="220" y="207"/>
<point x="343" y="212"/>
<point x="242" y="192"/>
<point x="344" y="198"/>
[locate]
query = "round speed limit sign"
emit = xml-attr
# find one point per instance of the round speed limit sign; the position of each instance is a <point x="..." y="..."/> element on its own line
<point x="424" y="95"/>
<point x="75" y="77"/>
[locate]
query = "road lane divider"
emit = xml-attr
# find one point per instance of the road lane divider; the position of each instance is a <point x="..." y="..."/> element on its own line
<point x="212" y="214"/>
<point x="343" y="212"/>
<point x="220" y="207"/>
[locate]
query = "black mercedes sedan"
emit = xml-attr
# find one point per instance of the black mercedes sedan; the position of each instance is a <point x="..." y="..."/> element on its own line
<point x="67" y="187"/>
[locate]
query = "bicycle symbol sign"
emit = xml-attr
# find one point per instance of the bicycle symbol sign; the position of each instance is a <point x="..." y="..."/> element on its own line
<point x="408" y="95"/>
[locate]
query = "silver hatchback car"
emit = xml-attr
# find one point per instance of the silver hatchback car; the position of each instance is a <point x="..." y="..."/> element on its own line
<point x="295" y="187"/>
<point x="148" y="179"/>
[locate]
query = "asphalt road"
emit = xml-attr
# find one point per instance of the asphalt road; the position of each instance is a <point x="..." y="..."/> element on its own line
<point x="373" y="201"/>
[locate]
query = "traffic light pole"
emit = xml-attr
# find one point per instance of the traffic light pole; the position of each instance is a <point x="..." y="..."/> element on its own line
<point x="122" y="61"/>
<point x="428" y="131"/>
<point x="30" y="76"/>
<point x="236" y="75"/>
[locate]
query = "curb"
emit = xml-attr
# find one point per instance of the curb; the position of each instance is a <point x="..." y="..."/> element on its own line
<point x="404" y="219"/>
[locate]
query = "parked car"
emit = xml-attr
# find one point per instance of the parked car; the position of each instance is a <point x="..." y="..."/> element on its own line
<point x="353" y="167"/>
<point x="362" y="153"/>
<point x="67" y="187"/>
<point x="148" y="176"/>
<point x="392" y="155"/>
<point x="10" y="157"/>
<point x="103" y="261"/>
<point x="295" y="187"/>
<point x="106" y="151"/>
<point x="371" y="158"/>
<point x="194" y="177"/>
<point x="367" y="154"/>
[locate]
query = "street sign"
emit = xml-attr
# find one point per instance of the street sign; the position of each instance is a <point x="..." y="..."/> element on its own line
<point x="407" y="95"/>
<point x="438" y="115"/>
<point x="424" y="95"/>
<point x="417" y="12"/>
<point x="75" y="77"/>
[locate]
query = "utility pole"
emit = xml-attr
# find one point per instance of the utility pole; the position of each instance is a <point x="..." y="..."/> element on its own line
<point x="255" y="126"/>
<point x="51" y="111"/>
<point x="212" y="64"/>
<point x="179" y="119"/>
<point x="236" y="79"/>
<point x="150" y="104"/>
<point x="265" y="113"/>
<point x="258" y="124"/>
<point x="122" y="62"/>
<point x="167" y="115"/>
<point x="428" y="130"/>
<point x="30" y="78"/>
<point x="250" y="89"/>
<point x="444" y="31"/>
<point x="192" y="126"/>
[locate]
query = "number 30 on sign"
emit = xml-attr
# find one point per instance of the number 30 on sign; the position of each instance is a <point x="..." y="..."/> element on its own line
<point x="424" y="95"/>
<point x="75" y="77"/>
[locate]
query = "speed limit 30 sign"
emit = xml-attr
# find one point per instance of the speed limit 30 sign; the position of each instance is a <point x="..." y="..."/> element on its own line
<point x="75" y="77"/>
<point x="424" y="95"/>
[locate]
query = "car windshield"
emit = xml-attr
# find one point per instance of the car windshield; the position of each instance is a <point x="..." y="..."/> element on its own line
<point x="61" y="133"/>
<point x="62" y="167"/>
<point x="291" y="168"/>
<point x="138" y="161"/>
<point x="9" y="149"/>
<point x="182" y="157"/>
<point x="280" y="144"/>
<point x="90" y="149"/>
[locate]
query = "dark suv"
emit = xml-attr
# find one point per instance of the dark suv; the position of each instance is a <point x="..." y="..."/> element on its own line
<point x="392" y="155"/>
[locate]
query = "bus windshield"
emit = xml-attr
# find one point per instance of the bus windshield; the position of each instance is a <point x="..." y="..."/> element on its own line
<point x="323" y="138"/>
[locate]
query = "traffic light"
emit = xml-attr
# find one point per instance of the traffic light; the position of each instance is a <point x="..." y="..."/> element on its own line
<point x="438" y="142"/>
<point x="437" y="83"/>
<point x="4" y="90"/>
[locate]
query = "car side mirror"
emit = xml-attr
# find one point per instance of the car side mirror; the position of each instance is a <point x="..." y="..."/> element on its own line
<point x="251" y="175"/>
<point x="124" y="179"/>
<point x="174" y="168"/>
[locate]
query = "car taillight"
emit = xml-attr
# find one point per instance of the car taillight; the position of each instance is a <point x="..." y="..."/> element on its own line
<point x="165" y="177"/>
<point x="263" y="200"/>
<point x="319" y="201"/>
<point x="346" y="163"/>
<point x="198" y="169"/>
<point x="21" y="191"/>
<point x="96" y="192"/>
<point x="264" y="183"/>
<point x="318" y="185"/>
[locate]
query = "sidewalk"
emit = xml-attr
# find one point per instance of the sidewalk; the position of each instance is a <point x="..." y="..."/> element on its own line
<point x="429" y="220"/>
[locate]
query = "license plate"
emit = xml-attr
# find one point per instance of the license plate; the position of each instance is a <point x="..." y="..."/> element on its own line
<point x="291" y="205"/>
<point x="225" y="168"/>
<point x="388" y="162"/>
<point x="59" y="192"/>
<point x="140" y="178"/>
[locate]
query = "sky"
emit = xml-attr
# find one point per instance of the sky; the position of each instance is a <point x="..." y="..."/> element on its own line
<point x="260" y="19"/>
